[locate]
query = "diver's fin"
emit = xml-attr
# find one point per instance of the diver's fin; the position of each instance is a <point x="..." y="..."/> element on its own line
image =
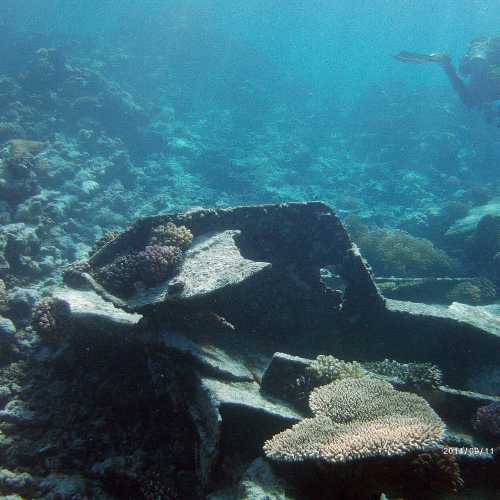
<point x="415" y="58"/>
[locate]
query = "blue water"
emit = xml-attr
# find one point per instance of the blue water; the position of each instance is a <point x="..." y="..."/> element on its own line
<point x="113" y="110"/>
<point x="337" y="45"/>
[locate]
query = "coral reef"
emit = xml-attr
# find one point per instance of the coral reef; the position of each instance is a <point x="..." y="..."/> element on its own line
<point x="150" y="266"/>
<point x="356" y="419"/>
<point x="411" y="374"/>
<point x="155" y="263"/>
<point x="50" y="319"/>
<point x="487" y="419"/>
<point x="392" y="252"/>
<point x="104" y="240"/>
<point x="89" y="143"/>
<point x="475" y="292"/>
<point x="440" y="471"/>
<point x="325" y="369"/>
<point x="172" y="235"/>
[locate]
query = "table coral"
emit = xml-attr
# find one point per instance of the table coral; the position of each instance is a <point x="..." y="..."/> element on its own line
<point x="356" y="419"/>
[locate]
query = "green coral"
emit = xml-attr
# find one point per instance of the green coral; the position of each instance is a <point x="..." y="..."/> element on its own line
<point x="172" y="235"/>
<point x="392" y="252"/>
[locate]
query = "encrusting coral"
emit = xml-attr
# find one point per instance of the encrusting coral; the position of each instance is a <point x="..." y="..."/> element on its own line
<point x="356" y="419"/>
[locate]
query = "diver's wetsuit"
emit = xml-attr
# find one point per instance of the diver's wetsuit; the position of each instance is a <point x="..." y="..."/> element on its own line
<point x="481" y="65"/>
<point x="480" y="89"/>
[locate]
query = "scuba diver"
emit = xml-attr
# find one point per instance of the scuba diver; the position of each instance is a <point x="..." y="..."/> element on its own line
<point x="481" y="64"/>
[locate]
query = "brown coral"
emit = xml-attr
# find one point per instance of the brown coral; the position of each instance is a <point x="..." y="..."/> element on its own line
<point x="172" y="235"/>
<point x="440" y="472"/>
<point x="155" y="263"/>
<point x="150" y="266"/>
<point x="50" y="319"/>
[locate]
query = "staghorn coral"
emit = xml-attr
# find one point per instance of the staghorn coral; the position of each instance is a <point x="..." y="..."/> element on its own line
<point x="487" y="419"/>
<point x="356" y="419"/>
<point x="392" y="252"/>
<point x="172" y="235"/>
<point x="440" y="472"/>
<point x="411" y="374"/>
<point x="50" y="319"/>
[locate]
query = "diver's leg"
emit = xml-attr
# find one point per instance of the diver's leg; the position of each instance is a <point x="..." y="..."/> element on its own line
<point x="458" y="84"/>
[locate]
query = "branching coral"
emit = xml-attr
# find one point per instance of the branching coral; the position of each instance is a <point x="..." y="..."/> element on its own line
<point x="50" y="319"/>
<point x="155" y="263"/>
<point x="172" y="235"/>
<point x="411" y="374"/>
<point x="392" y="252"/>
<point x="325" y="369"/>
<point x="322" y="370"/>
<point x="364" y="399"/>
<point x="356" y="419"/>
<point x="150" y="266"/>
